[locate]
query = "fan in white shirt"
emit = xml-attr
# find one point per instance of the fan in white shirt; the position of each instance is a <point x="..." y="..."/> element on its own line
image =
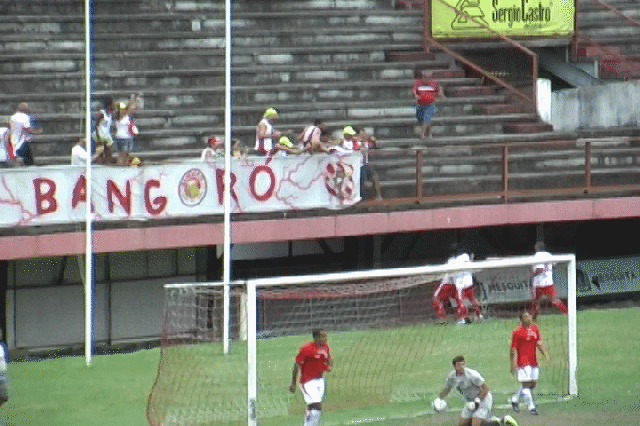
<point x="79" y="153"/>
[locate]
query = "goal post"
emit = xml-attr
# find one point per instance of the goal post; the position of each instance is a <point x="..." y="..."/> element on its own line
<point x="390" y="356"/>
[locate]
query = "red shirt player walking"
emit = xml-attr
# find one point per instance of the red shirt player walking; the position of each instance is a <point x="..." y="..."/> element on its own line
<point x="313" y="359"/>
<point x="526" y="339"/>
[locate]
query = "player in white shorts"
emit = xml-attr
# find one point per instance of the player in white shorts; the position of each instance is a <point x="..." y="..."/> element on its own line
<point x="312" y="361"/>
<point x="526" y="340"/>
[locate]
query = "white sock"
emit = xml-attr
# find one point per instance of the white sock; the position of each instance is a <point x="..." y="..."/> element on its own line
<point x="516" y="397"/>
<point x="312" y="418"/>
<point x="528" y="398"/>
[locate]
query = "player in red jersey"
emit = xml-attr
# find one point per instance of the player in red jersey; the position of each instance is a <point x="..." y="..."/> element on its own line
<point x="313" y="359"/>
<point x="525" y="341"/>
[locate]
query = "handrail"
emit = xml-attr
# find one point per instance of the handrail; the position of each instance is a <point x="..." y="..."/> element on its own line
<point x="579" y="37"/>
<point x="603" y="50"/>
<point x="504" y="153"/>
<point x="618" y="12"/>
<point x="520" y="47"/>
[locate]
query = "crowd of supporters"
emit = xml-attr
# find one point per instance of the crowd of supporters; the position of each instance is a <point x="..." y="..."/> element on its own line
<point x="114" y="130"/>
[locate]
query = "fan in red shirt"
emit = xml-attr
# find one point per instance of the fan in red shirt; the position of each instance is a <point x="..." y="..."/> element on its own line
<point x="313" y="359"/>
<point x="526" y="339"/>
<point x="426" y="91"/>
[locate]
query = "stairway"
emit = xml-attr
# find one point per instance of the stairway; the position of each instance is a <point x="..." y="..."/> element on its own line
<point x="345" y="65"/>
<point x="617" y="40"/>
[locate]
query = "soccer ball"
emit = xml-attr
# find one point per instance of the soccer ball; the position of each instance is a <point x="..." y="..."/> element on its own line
<point x="439" y="404"/>
<point x="509" y="421"/>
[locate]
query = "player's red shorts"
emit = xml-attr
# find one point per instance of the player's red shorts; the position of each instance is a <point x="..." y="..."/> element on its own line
<point x="468" y="293"/>
<point x="549" y="290"/>
<point x="445" y="291"/>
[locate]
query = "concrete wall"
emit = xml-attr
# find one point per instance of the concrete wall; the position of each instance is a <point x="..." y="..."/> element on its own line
<point x="610" y="105"/>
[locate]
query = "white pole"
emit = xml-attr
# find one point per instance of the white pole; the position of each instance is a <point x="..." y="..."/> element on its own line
<point x="573" y="329"/>
<point x="88" y="282"/>
<point x="252" y="369"/>
<point x="227" y="176"/>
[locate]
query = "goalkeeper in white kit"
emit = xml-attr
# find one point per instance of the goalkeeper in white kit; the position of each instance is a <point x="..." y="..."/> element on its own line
<point x="477" y="398"/>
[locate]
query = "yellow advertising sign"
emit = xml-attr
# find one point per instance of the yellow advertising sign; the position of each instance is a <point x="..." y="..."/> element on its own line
<point x="512" y="18"/>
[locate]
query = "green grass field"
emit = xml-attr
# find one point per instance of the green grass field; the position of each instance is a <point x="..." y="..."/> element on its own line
<point x="114" y="390"/>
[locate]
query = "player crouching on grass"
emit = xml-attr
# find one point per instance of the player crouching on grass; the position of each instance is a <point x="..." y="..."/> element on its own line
<point x="477" y="398"/>
<point x="313" y="359"/>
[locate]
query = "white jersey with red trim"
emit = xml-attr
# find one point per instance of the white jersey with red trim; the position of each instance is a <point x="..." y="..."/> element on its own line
<point x="20" y="125"/>
<point x="463" y="280"/>
<point x="123" y="127"/>
<point x="5" y="149"/>
<point x="264" y="145"/>
<point x="309" y="134"/>
<point x="545" y="278"/>
<point x="104" y="128"/>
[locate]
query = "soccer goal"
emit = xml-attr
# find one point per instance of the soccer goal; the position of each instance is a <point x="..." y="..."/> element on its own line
<point x="231" y="362"/>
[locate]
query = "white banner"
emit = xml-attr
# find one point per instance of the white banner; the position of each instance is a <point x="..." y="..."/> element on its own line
<point x="512" y="284"/>
<point x="57" y="194"/>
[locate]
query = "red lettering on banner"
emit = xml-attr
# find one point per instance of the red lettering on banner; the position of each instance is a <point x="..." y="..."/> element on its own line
<point x="220" y="185"/>
<point x="79" y="192"/>
<point x="46" y="197"/>
<point x="252" y="182"/>
<point x="123" y="199"/>
<point x="159" y="203"/>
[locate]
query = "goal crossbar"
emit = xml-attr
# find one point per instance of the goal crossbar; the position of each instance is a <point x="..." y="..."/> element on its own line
<point x="430" y="272"/>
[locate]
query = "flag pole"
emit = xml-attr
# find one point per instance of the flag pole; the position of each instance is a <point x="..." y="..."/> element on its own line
<point x="88" y="281"/>
<point x="227" y="177"/>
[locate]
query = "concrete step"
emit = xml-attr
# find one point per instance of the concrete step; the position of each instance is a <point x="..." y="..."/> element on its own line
<point x="352" y="107"/>
<point x="293" y="5"/>
<point x="475" y="90"/>
<point x="160" y="40"/>
<point x="409" y="4"/>
<point x="388" y="162"/>
<point x="201" y="56"/>
<point x="527" y="127"/>
<point x="66" y="6"/>
<point x="193" y="132"/>
<point x="335" y="18"/>
<point x="502" y="108"/>
<point x="616" y="68"/>
<point x="588" y="6"/>
<point x="349" y="111"/>
<point x="627" y="45"/>
<point x="588" y="51"/>
<point x="139" y="79"/>
<point x="409" y="55"/>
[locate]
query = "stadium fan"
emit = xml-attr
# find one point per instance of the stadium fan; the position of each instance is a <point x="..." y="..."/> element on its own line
<point x="265" y="133"/>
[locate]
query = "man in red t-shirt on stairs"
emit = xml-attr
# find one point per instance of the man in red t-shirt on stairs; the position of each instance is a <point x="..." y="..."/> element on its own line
<point x="426" y="91"/>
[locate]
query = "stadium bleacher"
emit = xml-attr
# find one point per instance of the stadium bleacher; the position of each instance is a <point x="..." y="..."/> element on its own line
<point x="350" y="64"/>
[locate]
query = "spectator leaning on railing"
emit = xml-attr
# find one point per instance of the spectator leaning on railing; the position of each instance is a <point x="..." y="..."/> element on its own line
<point x="79" y="153"/>
<point x="6" y="151"/>
<point x="265" y="133"/>
<point x="20" y="133"/>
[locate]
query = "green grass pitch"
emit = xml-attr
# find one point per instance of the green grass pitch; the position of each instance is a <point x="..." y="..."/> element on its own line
<point x="114" y="390"/>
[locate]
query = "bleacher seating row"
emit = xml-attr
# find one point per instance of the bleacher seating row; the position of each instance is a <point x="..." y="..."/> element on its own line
<point x="349" y="62"/>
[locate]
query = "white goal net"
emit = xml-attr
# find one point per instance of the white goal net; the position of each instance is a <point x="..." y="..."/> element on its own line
<point x="390" y="354"/>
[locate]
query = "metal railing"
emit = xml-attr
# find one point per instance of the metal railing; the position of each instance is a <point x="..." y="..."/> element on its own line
<point x="567" y="181"/>
<point x="429" y="40"/>
<point x="601" y="51"/>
